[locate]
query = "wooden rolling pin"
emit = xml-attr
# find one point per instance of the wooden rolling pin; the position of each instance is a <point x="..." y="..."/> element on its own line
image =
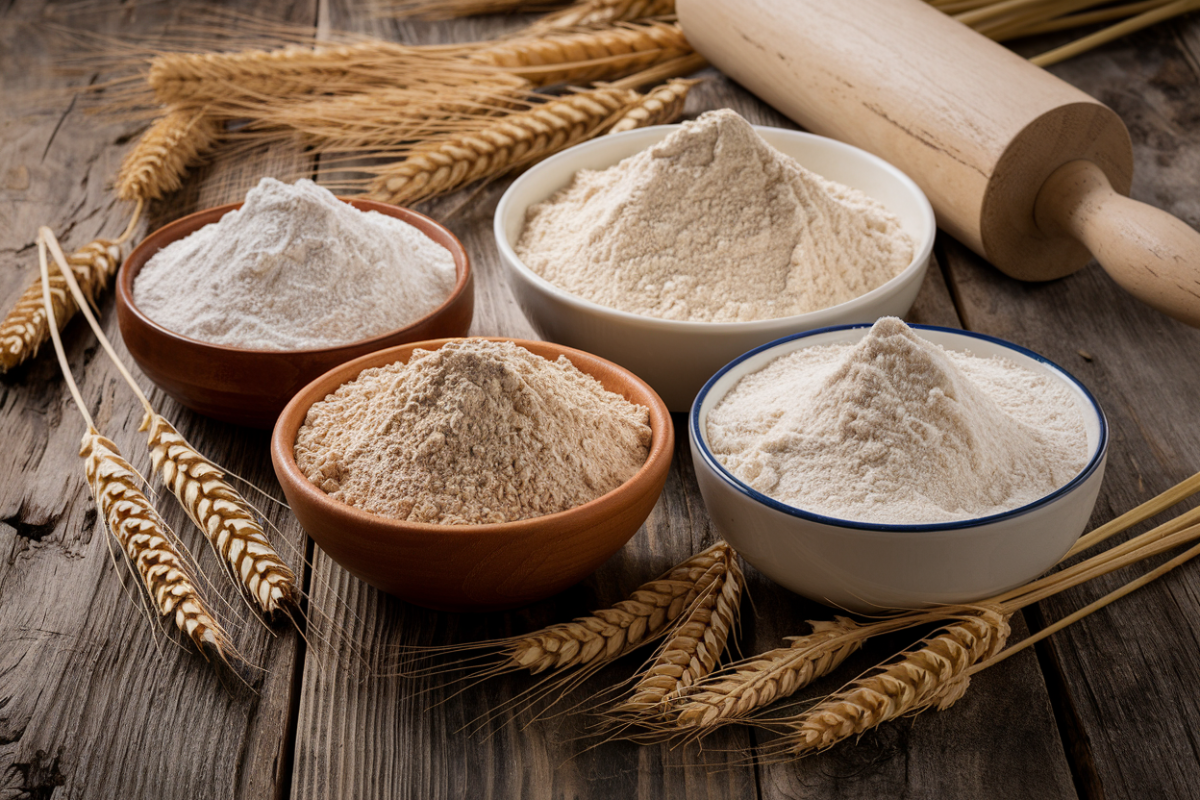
<point x="1028" y="171"/>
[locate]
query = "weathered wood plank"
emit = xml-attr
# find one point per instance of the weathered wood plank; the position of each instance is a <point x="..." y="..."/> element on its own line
<point x="359" y="736"/>
<point x="94" y="700"/>
<point x="1127" y="670"/>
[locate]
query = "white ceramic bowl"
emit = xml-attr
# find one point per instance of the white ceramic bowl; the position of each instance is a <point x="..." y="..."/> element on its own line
<point x="867" y="567"/>
<point x="676" y="358"/>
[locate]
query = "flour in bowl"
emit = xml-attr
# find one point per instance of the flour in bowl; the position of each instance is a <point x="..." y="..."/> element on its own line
<point x="293" y="269"/>
<point x="895" y="429"/>
<point x="712" y="224"/>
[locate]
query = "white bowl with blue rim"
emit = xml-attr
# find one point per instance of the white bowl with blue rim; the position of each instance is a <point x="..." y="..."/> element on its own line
<point x="677" y="357"/>
<point x="869" y="567"/>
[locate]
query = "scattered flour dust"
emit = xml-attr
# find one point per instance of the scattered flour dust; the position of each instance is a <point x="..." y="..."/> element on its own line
<point x="474" y="432"/>
<point x="895" y="429"/>
<point x="294" y="269"/>
<point x="712" y="224"/>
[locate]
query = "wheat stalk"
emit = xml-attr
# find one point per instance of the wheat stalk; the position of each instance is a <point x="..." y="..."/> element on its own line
<point x="582" y="56"/>
<point x="25" y="329"/>
<point x="603" y="12"/>
<point x="199" y="485"/>
<point x="142" y="535"/>
<point x="660" y="106"/>
<point x="695" y="645"/>
<point x="160" y="160"/>
<point x="223" y="514"/>
<point x="931" y="676"/>
<point x="755" y="682"/>
<point x="609" y="633"/>
<point x="129" y="516"/>
<point x="450" y="9"/>
<point x="499" y="144"/>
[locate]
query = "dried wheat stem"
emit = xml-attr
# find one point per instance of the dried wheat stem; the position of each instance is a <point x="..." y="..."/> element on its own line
<point x="932" y="676"/>
<point x="1130" y="25"/>
<point x="660" y="106"/>
<point x="603" y="12"/>
<point x="167" y="150"/>
<point x="24" y="330"/>
<point x="695" y="645"/>
<point x="1155" y="505"/>
<point x="449" y="9"/>
<point x="224" y="516"/>
<point x="610" y="633"/>
<point x="753" y="683"/>
<point x="583" y="56"/>
<point x="128" y="515"/>
<point x="210" y="501"/>
<point x="498" y="145"/>
<point x="135" y="524"/>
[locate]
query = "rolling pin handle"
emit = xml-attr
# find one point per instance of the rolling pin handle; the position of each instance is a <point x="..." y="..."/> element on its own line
<point x="1153" y="255"/>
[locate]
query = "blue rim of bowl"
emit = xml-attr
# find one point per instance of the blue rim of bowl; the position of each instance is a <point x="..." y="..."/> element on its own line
<point x="513" y="264"/>
<point x="702" y="445"/>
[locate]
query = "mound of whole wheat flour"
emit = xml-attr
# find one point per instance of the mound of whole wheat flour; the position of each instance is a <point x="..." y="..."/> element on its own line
<point x="896" y="429"/>
<point x="712" y="224"/>
<point x="473" y="432"/>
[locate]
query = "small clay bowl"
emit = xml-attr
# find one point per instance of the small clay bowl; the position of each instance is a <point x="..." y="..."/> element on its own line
<point x="475" y="567"/>
<point x="251" y="387"/>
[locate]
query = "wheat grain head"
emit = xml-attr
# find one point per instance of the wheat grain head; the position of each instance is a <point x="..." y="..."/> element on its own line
<point x="141" y="533"/>
<point x="695" y="646"/>
<point x="498" y="145"/>
<point x="224" y="516"/>
<point x="24" y="329"/>
<point x="609" y="633"/>
<point x="660" y="106"/>
<point x="158" y="163"/>
<point x="931" y="676"/>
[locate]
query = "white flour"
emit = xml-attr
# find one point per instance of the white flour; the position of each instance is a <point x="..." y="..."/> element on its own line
<point x="895" y="429"/>
<point x="295" y="269"/>
<point x="714" y="225"/>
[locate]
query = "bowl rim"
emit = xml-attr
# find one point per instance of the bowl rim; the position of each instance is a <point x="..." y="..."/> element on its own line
<point x="658" y="457"/>
<point x="700" y="442"/>
<point x="462" y="272"/>
<point x="506" y="206"/>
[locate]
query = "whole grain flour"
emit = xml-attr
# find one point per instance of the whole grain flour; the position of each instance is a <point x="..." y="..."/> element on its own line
<point x="895" y="429"/>
<point x="473" y="432"/>
<point x="712" y="224"/>
<point x="295" y="268"/>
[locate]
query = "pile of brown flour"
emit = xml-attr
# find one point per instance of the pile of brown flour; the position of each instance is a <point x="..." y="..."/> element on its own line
<point x="896" y="429"/>
<point x="473" y="432"/>
<point x="712" y="224"/>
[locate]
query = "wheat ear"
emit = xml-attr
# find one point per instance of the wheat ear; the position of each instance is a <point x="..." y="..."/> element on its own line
<point x="130" y="517"/>
<point x="160" y="160"/>
<point x="660" y="106"/>
<point x="753" y="683"/>
<point x="583" y="56"/>
<point x="25" y="329"/>
<point x="209" y="500"/>
<point x="498" y="145"/>
<point x="695" y="646"/>
<point x="609" y="633"/>
<point x="603" y="12"/>
<point x="931" y="676"/>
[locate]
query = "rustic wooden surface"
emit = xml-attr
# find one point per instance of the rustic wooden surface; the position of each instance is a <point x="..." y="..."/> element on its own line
<point x="97" y="703"/>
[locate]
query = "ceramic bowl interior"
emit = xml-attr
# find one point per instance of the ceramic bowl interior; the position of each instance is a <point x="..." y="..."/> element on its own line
<point x="868" y="567"/>
<point x="476" y="567"/>
<point x="678" y="357"/>
<point x="251" y="387"/>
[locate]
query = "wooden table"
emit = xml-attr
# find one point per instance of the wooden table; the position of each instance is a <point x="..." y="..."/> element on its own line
<point x="96" y="702"/>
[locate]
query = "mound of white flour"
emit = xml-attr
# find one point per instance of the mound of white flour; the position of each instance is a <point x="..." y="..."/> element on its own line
<point x="295" y="268"/>
<point x="712" y="224"/>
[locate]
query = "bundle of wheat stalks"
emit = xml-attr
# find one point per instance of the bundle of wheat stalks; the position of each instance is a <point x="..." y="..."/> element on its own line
<point x="680" y="694"/>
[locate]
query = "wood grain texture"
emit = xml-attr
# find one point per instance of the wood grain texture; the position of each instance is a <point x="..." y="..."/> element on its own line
<point x="96" y="700"/>
<point x="1127" y="670"/>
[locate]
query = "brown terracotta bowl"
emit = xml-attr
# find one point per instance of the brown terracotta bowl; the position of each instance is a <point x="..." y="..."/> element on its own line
<point x="475" y="567"/>
<point x="251" y="387"/>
